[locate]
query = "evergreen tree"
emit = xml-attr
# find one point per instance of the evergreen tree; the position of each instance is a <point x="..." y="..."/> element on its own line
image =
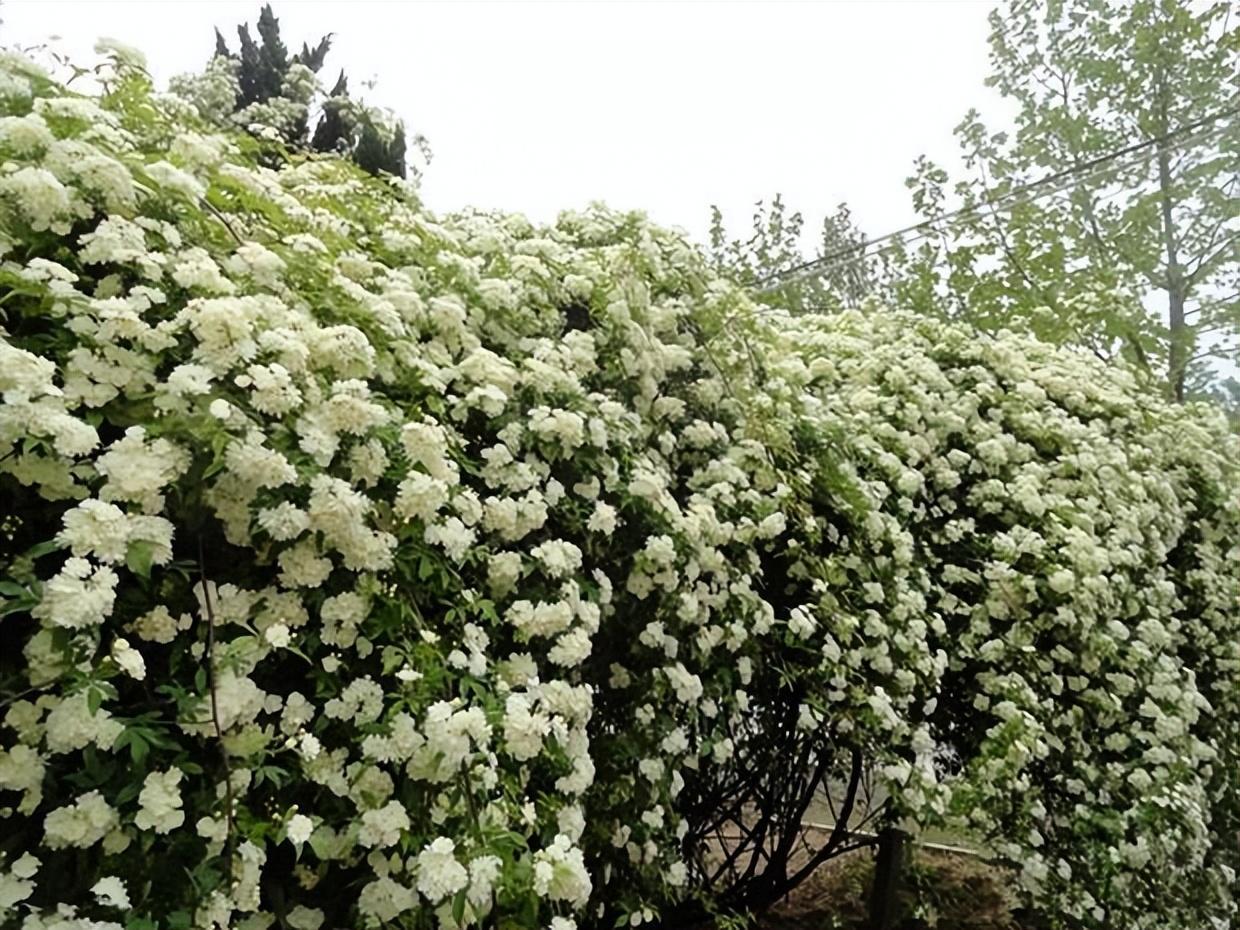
<point x="396" y="152"/>
<point x="344" y="126"/>
<point x="371" y="151"/>
<point x="334" y="130"/>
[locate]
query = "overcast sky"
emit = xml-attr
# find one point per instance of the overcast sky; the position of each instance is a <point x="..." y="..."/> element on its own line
<point x="664" y="106"/>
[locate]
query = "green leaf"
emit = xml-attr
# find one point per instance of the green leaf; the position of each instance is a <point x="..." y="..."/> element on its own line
<point x="458" y="908"/>
<point x="129" y="792"/>
<point x="139" y="557"/>
<point x="321" y="842"/>
<point x="16" y="607"/>
<point x="139" y="748"/>
<point x="42" y="549"/>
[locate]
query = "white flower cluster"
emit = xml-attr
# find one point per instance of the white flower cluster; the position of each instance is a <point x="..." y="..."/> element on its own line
<point x="330" y="521"/>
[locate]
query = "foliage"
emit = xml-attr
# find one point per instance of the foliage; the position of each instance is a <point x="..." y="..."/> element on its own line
<point x="275" y="90"/>
<point x="1085" y="262"/>
<point x="776" y="245"/>
<point x="361" y="566"/>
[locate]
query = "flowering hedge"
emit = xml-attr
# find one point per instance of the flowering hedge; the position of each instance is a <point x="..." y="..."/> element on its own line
<point x="361" y="566"/>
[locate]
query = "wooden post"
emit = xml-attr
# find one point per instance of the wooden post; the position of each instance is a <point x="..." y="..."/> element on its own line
<point x="886" y="906"/>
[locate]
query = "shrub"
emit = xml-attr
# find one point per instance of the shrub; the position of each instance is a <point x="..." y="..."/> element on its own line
<point x="361" y="566"/>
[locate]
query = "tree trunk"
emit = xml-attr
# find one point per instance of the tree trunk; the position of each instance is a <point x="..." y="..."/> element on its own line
<point x="1179" y="335"/>
<point x="886" y="894"/>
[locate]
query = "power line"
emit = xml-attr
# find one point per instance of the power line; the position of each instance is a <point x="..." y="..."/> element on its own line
<point x="932" y="228"/>
<point x="1091" y="167"/>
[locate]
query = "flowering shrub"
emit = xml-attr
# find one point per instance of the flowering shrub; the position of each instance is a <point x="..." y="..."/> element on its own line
<point x="365" y="567"/>
<point x="1068" y="551"/>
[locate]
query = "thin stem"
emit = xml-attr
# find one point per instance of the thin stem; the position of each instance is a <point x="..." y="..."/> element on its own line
<point x="215" y="708"/>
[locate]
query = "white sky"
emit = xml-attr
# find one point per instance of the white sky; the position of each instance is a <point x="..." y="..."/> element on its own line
<point x="663" y="106"/>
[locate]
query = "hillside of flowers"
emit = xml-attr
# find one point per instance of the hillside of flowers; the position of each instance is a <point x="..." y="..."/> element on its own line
<point x="365" y="567"/>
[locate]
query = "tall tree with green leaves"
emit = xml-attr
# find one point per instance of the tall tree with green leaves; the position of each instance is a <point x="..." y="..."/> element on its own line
<point x="776" y="244"/>
<point x="1135" y="256"/>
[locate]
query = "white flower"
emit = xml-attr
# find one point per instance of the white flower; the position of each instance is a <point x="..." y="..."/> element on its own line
<point x="16" y="884"/>
<point x="565" y="427"/>
<point x="560" y="873"/>
<point x="1061" y="581"/>
<point x="159" y="626"/>
<point x="305" y="918"/>
<point x="688" y="686"/>
<point x="677" y="875"/>
<point x="138" y="470"/>
<point x="453" y="536"/>
<point x="71" y="726"/>
<point x="299" y="829"/>
<point x="129" y="659"/>
<point x="558" y="557"/>
<point x="82" y="824"/>
<point x="571" y="649"/>
<point x="22" y="769"/>
<point x="110" y="892"/>
<point x="384" y="899"/>
<point x="421" y="496"/>
<point x="439" y="872"/>
<point x="602" y="519"/>
<point x="382" y="828"/>
<point x="160" y="802"/>
<point x="277" y="635"/>
<point x="39" y="196"/>
<point x="97" y="528"/>
<point x="25" y="135"/>
<point x="524" y="731"/>
<point x="660" y="550"/>
<point x="123" y="54"/>
<point x="173" y="178"/>
<point x="483" y="872"/>
<point x="541" y="619"/>
<point x="503" y="571"/>
<point x="283" y="522"/>
<point x="78" y="596"/>
<point x="801" y="622"/>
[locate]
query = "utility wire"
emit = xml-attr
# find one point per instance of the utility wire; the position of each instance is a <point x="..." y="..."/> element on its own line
<point x="931" y="228"/>
<point x="1061" y="179"/>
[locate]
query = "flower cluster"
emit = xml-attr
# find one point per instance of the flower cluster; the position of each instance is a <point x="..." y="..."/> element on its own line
<point x="365" y="566"/>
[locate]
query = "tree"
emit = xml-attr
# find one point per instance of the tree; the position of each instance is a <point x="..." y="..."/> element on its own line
<point x="1134" y="256"/>
<point x="776" y="245"/>
<point x="333" y="132"/>
<point x="271" y="83"/>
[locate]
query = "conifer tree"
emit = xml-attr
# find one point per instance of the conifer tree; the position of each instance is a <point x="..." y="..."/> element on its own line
<point x="344" y="126"/>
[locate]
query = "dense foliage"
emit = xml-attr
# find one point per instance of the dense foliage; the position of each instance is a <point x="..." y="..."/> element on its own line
<point x="1136" y="256"/>
<point x="361" y="566"/>
<point x="774" y="248"/>
<point x="265" y="90"/>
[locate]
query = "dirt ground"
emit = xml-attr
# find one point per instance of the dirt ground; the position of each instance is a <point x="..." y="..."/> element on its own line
<point x="945" y="891"/>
